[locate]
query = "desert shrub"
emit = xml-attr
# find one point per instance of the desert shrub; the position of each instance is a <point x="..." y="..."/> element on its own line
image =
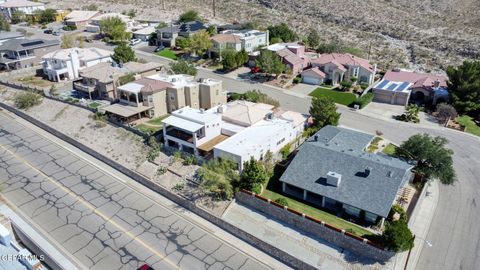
<point x="26" y="100"/>
<point x="362" y="101"/>
<point x="161" y="170"/>
<point x="190" y="160"/>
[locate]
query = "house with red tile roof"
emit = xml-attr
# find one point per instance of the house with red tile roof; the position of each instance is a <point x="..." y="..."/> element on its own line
<point x="398" y="86"/>
<point x="292" y="55"/>
<point x="340" y="67"/>
<point x="313" y="76"/>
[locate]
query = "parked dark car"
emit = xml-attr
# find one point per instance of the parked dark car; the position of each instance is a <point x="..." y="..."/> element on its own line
<point x="48" y="31"/>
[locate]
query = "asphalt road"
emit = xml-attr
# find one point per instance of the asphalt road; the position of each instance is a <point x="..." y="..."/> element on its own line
<point x="96" y="217"/>
<point x="454" y="230"/>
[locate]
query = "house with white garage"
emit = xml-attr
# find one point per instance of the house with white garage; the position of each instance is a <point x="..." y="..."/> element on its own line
<point x="94" y="24"/>
<point x="237" y="130"/>
<point x="313" y="76"/>
<point x="333" y="171"/>
<point x="79" y="17"/>
<point x="400" y="86"/>
<point x="27" y="7"/>
<point x="340" y="67"/>
<point x="65" y="64"/>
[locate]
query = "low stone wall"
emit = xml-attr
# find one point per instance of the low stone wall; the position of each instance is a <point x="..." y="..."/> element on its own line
<point x="245" y="236"/>
<point x="340" y="238"/>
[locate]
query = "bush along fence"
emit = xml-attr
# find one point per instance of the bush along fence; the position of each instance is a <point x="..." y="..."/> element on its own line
<point x="320" y="229"/>
<point x="241" y="234"/>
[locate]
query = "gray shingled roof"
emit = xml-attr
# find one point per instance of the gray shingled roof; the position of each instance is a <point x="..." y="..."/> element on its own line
<point x="341" y="150"/>
<point x="27" y="44"/>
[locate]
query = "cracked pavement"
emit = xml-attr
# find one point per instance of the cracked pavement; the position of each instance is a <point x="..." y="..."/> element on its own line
<point x="100" y="221"/>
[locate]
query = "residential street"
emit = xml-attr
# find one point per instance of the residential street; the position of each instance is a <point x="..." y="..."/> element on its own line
<point x="97" y="217"/>
<point x="454" y="231"/>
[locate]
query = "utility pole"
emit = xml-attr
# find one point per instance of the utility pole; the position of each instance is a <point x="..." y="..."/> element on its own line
<point x="213" y="6"/>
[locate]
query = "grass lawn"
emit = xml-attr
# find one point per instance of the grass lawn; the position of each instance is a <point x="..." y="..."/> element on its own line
<point x="339" y="97"/>
<point x="167" y="53"/>
<point x="389" y="149"/>
<point x="94" y="105"/>
<point x="470" y="125"/>
<point x="319" y="214"/>
<point x="157" y="121"/>
<point x="147" y="129"/>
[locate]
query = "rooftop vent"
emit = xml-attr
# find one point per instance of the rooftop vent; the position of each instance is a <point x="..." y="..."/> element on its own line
<point x="367" y="171"/>
<point x="220" y="109"/>
<point x="390" y="174"/>
<point x="334" y="179"/>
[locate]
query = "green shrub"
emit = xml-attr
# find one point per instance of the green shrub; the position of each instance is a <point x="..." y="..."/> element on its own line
<point x="178" y="187"/>
<point x="26" y="100"/>
<point x="70" y="27"/>
<point x="190" y="160"/>
<point x="257" y="188"/>
<point x="364" y="86"/>
<point x="161" y="170"/>
<point x="346" y="85"/>
<point x="177" y="156"/>
<point x="362" y="101"/>
<point x="297" y="80"/>
<point x="397" y="209"/>
<point x="282" y="201"/>
<point x="286" y="150"/>
<point x="397" y="236"/>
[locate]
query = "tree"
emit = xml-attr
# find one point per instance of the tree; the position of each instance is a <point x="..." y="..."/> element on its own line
<point x="189" y="16"/>
<point x="217" y="176"/>
<point x="18" y="16"/>
<point x="432" y="159"/>
<point x="132" y="13"/>
<point x="4" y="24"/>
<point x="114" y="28"/>
<point x="241" y="57"/>
<point x="229" y="60"/>
<point x="200" y="42"/>
<point x="269" y="62"/>
<point x="47" y="16"/>
<point x="313" y="38"/>
<point x="464" y="87"/>
<point x="324" y="112"/>
<point x="123" y="53"/>
<point x="67" y="41"/>
<point x="25" y="100"/>
<point x="283" y="32"/>
<point x="257" y="97"/>
<point x="446" y="112"/>
<point x="212" y="30"/>
<point x="411" y="113"/>
<point x="161" y="25"/>
<point x="253" y="174"/>
<point x="182" y="43"/>
<point x="183" y="67"/>
<point x="397" y="236"/>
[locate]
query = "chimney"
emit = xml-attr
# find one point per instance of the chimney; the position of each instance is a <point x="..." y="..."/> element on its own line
<point x="436" y="83"/>
<point x="334" y="179"/>
<point x="220" y="109"/>
<point x="390" y="174"/>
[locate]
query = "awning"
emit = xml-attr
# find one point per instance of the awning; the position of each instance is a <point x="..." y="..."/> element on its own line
<point x="208" y="146"/>
<point x="182" y="123"/>
<point x="125" y="110"/>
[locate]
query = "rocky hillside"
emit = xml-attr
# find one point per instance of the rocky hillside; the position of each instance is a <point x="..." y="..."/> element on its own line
<point x="417" y="34"/>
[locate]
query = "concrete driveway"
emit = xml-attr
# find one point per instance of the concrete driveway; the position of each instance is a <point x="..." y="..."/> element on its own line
<point x="303" y="88"/>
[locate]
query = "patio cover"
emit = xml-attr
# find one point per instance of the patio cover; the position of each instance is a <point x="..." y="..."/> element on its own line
<point x="182" y="123"/>
<point x="125" y="110"/>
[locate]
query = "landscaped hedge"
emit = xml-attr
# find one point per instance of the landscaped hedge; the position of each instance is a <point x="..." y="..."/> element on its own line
<point x="362" y="101"/>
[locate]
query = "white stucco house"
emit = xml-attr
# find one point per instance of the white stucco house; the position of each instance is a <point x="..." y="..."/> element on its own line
<point x="65" y="64"/>
<point x="237" y="130"/>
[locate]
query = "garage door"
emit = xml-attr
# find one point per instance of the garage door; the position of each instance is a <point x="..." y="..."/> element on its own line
<point x="311" y="80"/>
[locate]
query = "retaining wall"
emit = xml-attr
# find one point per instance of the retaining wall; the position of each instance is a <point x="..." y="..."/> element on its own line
<point x="338" y="237"/>
<point x="252" y="240"/>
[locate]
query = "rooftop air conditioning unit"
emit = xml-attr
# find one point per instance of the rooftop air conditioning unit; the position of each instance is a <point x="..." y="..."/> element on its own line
<point x="334" y="179"/>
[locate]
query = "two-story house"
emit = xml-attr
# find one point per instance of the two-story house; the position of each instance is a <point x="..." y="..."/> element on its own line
<point x="338" y="67"/>
<point x="94" y="25"/>
<point x="248" y="40"/>
<point x="100" y="81"/>
<point x="166" y="36"/>
<point x="292" y="55"/>
<point x="23" y="53"/>
<point x="142" y="98"/>
<point x="65" y="64"/>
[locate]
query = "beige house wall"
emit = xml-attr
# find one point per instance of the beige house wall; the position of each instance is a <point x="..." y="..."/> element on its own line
<point x="211" y="95"/>
<point x="192" y="97"/>
<point x="159" y="104"/>
<point x="175" y="98"/>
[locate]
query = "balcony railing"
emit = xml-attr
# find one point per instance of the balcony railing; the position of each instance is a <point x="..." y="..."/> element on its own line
<point x="179" y="134"/>
<point x="83" y="87"/>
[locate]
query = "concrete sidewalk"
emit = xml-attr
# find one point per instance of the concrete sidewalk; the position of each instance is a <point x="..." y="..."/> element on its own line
<point x="419" y="224"/>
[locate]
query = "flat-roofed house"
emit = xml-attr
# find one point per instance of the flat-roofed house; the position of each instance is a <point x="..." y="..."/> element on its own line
<point x="65" y="64"/>
<point x="23" y="53"/>
<point x="141" y="98"/>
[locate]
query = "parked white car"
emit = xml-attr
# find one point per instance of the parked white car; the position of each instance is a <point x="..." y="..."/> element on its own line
<point x="135" y="41"/>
